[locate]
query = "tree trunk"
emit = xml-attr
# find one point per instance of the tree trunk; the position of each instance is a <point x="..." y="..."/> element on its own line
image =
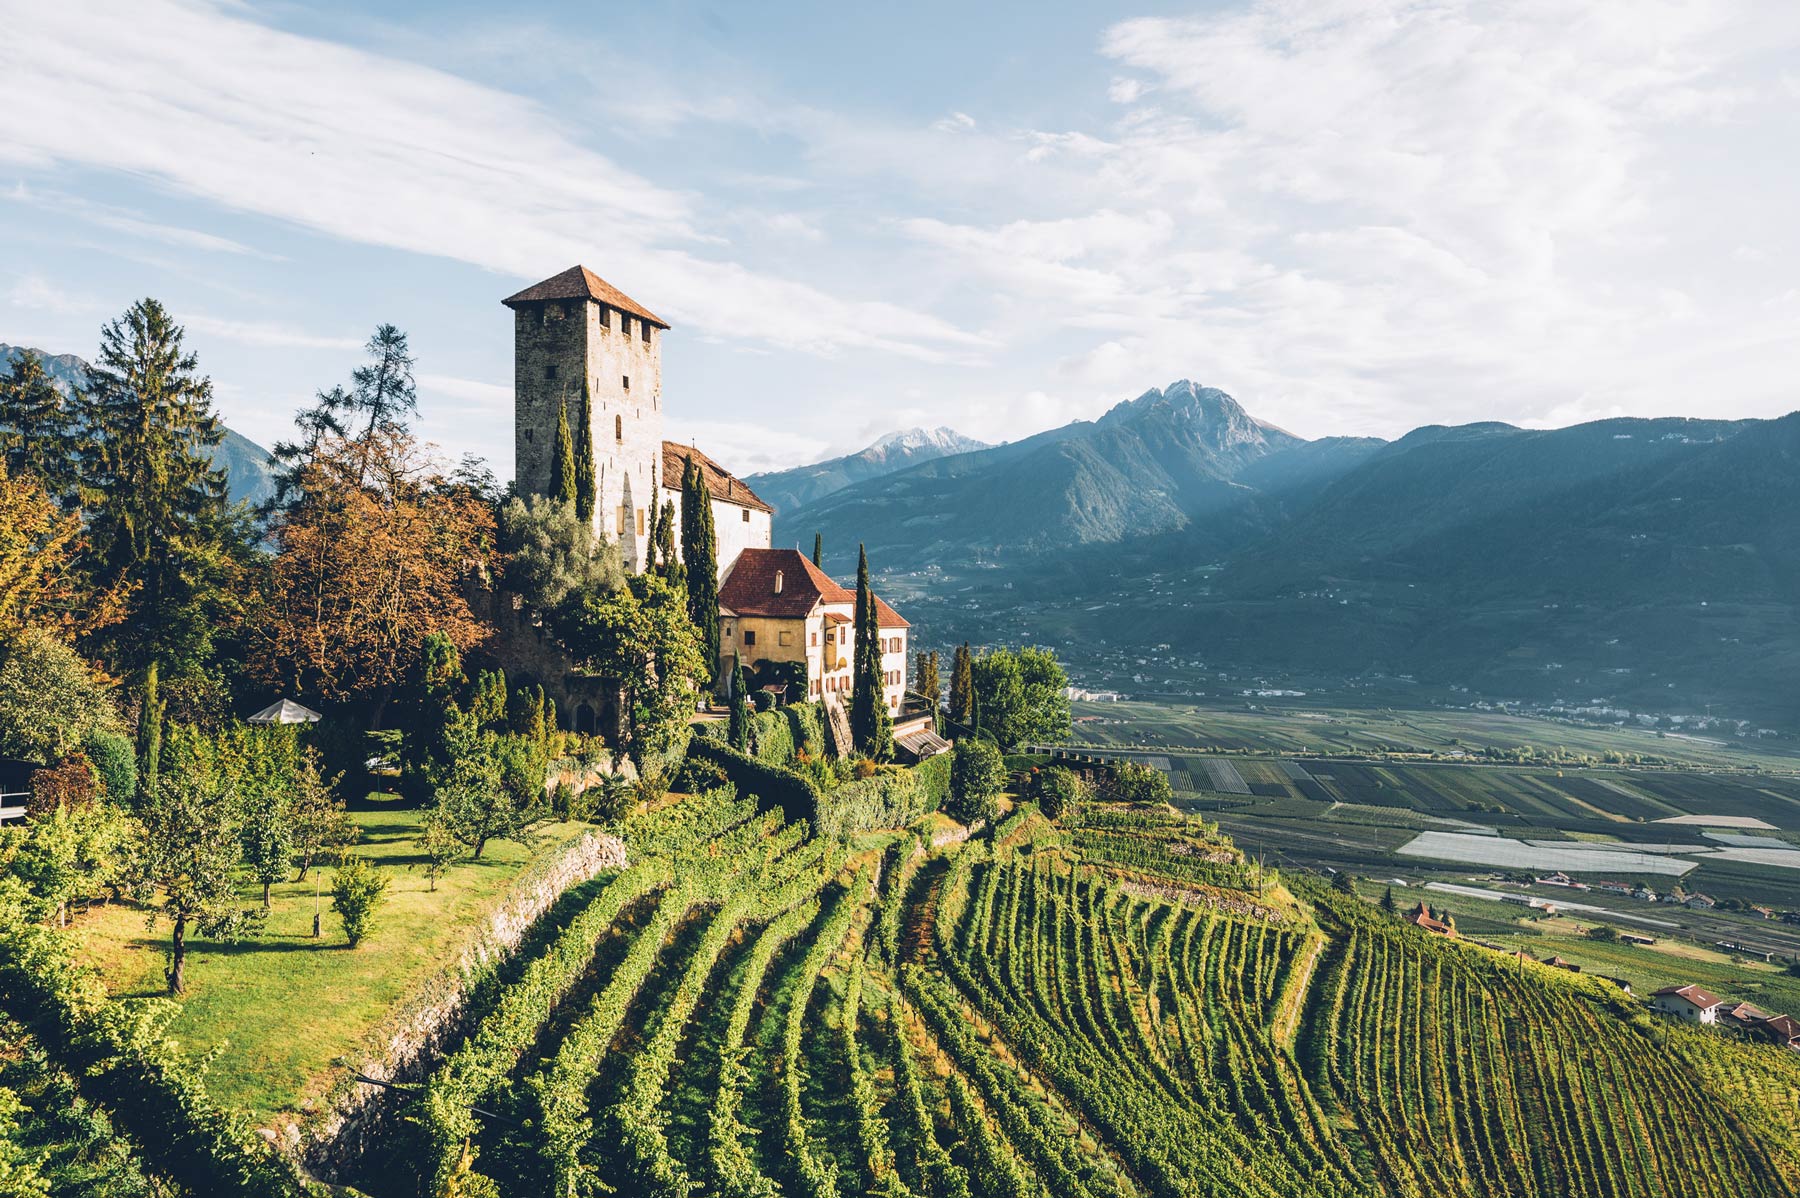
<point x="479" y="845"/>
<point x="178" y="961"/>
<point x="266" y="895"/>
<point x="381" y="702"/>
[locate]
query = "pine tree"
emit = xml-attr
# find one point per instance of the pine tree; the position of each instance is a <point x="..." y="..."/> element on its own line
<point x="584" y="457"/>
<point x="819" y="549"/>
<point x="870" y="724"/>
<point x="382" y="393"/>
<point x="962" y="686"/>
<point x="40" y="430"/>
<point x="159" y="516"/>
<point x="562" y="459"/>
<point x="700" y="559"/>
<point x="739" y="731"/>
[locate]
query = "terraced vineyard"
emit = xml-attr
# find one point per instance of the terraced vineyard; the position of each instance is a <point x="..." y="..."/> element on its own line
<point x="1111" y="1008"/>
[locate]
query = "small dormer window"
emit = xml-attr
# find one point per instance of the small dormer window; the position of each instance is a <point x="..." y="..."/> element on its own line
<point x="778" y="582"/>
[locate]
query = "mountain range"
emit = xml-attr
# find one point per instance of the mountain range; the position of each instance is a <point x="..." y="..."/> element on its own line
<point x="1649" y="563"/>
<point x="246" y="464"/>
<point x="791" y="489"/>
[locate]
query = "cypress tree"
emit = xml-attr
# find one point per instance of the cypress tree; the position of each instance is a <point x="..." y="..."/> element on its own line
<point x="927" y="683"/>
<point x="700" y="558"/>
<point x="150" y="726"/>
<point x="670" y="564"/>
<point x="962" y="687"/>
<point x="819" y="549"/>
<point x="870" y="723"/>
<point x="740" y="710"/>
<point x="584" y="457"/>
<point x="562" y="459"/>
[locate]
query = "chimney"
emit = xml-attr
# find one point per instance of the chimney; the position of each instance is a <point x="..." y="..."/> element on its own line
<point x="728" y="482"/>
<point x="778" y="582"/>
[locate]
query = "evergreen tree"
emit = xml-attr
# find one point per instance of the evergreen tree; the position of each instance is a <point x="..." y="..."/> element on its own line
<point x="669" y="563"/>
<point x="150" y="726"/>
<point x="584" y="457"/>
<point x="870" y="724"/>
<point x="159" y="516"/>
<point x="1387" y="901"/>
<point x="927" y="684"/>
<point x="819" y="549"/>
<point x="962" y="686"/>
<point x="40" y="430"/>
<point x="700" y="559"/>
<point x="562" y="459"/>
<point x="382" y="394"/>
<point x="740" y="710"/>
<point x="290" y="459"/>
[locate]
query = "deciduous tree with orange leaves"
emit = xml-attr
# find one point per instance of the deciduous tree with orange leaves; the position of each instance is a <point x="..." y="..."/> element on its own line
<point x="371" y="558"/>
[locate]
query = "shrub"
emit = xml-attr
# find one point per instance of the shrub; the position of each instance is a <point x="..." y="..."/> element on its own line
<point x="69" y="785"/>
<point x="1056" y="790"/>
<point x="1131" y="782"/>
<point x="113" y="760"/>
<point x="357" y="892"/>
<point x="806" y="725"/>
<point x="976" y="775"/>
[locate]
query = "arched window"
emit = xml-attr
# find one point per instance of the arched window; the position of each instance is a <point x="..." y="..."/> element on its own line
<point x="618" y="428"/>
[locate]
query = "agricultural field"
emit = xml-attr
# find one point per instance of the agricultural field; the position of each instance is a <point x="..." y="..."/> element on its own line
<point x="1120" y="1003"/>
<point x="1300" y="728"/>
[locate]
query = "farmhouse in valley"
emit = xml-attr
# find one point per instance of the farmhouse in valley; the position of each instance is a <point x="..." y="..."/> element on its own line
<point x="1688" y="1002"/>
<point x="586" y="352"/>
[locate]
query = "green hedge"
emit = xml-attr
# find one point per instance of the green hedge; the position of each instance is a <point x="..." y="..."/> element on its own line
<point x="771" y="740"/>
<point x="769" y="785"/>
<point x="933" y="774"/>
<point x="806" y="723"/>
<point x="892" y="798"/>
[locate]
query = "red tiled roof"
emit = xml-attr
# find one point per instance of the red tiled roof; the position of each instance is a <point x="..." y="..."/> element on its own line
<point x="749" y="589"/>
<point x="578" y="282"/>
<point x="1704" y="999"/>
<point x="1781" y="1027"/>
<point x="724" y="486"/>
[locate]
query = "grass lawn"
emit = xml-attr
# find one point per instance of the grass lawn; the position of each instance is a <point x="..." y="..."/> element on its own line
<point x="285" y="1004"/>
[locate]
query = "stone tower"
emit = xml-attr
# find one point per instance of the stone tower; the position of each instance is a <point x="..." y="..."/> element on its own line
<point x="575" y="326"/>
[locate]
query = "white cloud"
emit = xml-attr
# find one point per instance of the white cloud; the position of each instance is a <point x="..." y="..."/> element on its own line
<point x="743" y="447"/>
<point x="39" y="294"/>
<point x="491" y="398"/>
<point x="266" y="333"/>
<point x="381" y="151"/>
<point x="133" y="224"/>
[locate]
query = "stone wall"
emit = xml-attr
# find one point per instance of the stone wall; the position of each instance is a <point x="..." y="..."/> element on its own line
<point x="359" y="1117"/>
<point x="532" y="656"/>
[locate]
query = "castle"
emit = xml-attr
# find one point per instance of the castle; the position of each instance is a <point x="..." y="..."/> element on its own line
<point x="575" y="330"/>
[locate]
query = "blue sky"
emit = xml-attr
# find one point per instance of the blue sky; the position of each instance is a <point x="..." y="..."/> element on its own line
<point x="1358" y="216"/>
